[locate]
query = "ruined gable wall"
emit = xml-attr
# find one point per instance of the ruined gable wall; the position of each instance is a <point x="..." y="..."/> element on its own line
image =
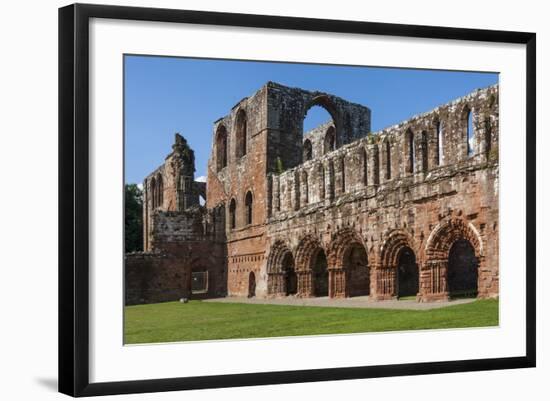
<point x="287" y="108"/>
<point x="245" y="242"/>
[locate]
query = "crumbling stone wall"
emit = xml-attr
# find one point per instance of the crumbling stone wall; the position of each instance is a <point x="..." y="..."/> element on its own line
<point x="392" y="190"/>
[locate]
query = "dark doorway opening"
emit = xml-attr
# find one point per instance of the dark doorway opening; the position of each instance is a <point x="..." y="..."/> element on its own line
<point x="291" y="281"/>
<point x="251" y="285"/>
<point x="407" y="273"/>
<point x="462" y="270"/>
<point x="358" y="272"/>
<point x="320" y="275"/>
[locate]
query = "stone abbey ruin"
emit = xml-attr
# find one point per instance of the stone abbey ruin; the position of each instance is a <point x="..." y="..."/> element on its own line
<point x="409" y="211"/>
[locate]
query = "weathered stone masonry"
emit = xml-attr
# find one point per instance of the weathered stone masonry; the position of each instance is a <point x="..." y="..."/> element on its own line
<point x="411" y="210"/>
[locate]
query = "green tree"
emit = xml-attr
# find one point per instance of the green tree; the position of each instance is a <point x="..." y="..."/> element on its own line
<point x="133" y="218"/>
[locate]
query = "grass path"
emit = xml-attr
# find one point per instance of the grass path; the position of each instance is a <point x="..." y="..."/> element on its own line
<point x="196" y="320"/>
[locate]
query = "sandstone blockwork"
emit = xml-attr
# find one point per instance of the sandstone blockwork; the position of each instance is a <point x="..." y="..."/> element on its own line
<point x="339" y="211"/>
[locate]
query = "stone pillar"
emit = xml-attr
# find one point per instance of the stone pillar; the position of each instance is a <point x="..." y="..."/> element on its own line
<point x="486" y="280"/>
<point x="305" y="287"/>
<point x="337" y="283"/>
<point x="276" y="284"/>
<point x="385" y="283"/>
<point x="321" y="181"/>
<point x="433" y="281"/>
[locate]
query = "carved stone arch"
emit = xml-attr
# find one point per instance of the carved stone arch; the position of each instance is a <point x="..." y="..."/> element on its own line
<point x="306" y="251"/>
<point x="311" y="268"/>
<point x="446" y="233"/>
<point x="392" y="244"/>
<point x="435" y="283"/>
<point x="281" y="272"/>
<point x="276" y="255"/>
<point x="398" y="274"/>
<point x="326" y="103"/>
<point x="342" y="242"/>
<point x="349" y="274"/>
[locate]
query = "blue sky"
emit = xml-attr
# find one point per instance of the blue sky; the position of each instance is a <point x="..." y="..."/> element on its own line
<point x="164" y="95"/>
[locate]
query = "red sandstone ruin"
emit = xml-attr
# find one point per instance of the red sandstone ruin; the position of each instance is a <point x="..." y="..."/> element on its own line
<point x="339" y="211"/>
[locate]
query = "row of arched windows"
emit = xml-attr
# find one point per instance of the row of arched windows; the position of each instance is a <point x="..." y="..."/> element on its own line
<point x="157" y="191"/>
<point x="248" y="207"/>
<point x="240" y="140"/>
<point x="411" y="148"/>
<point x="439" y="159"/>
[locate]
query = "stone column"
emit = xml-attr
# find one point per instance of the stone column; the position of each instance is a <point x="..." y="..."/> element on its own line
<point x="305" y="288"/>
<point x="337" y="282"/>
<point x="433" y="281"/>
<point x="385" y="283"/>
<point x="276" y="285"/>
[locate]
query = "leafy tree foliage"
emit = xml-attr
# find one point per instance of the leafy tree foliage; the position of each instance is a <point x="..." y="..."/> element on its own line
<point x="133" y="218"/>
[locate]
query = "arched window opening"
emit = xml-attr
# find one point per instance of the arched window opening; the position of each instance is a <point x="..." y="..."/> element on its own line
<point x="320" y="114"/>
<point x="330" y="140"/>
<point x="308" y="150"/>
<point x="221" y="147"/>
<point x="248" y="207"/>
<point x="440" y="147"/>
<point x="153" y="193"/>
<point x="411" y="151"/>
<point x="388" y="159"/>
<point x="365" y="166"/>
<point x="315" y="116"/>
<point x="305" y="188"/>
<point x="376" y="167"/>
<point x="331" y="180"/>
<point x="232" y="210"/>
<point x="469" y="131"/>
<point x="424" y="145"/>
<point x="240" y="134"/>
<point x="321" y="178"/>
<point x="160" y="189"/>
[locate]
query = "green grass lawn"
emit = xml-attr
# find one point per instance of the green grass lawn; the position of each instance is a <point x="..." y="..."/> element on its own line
<point x="196" y="320"/>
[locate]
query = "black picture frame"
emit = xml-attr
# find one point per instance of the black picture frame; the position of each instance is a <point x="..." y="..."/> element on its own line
<point x="74" y="198"/>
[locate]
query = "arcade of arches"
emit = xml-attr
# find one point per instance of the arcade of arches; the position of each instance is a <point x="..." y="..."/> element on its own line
<point x="445" y="266"/>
